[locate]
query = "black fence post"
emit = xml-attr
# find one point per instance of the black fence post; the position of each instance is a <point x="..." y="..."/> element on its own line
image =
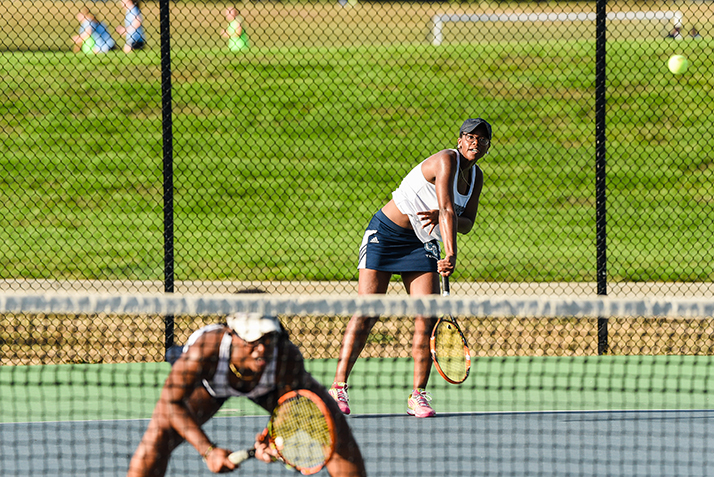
<point x="167" y="135"/>
<point x="600" y="165"/>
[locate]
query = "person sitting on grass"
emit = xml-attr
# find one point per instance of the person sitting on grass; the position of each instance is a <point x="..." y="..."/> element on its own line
<point x="251" y="356"/>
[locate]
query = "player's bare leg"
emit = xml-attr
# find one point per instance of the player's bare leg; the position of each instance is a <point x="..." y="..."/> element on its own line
<point x="371" y="282"/>
<point x="421" y="284"/>
<point x="421" y="352"/>
<point x="353" y="343"/>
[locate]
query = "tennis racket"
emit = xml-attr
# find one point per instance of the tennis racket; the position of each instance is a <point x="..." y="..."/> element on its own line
<point x="302" y="431"/>
<point x="449" y="349"/>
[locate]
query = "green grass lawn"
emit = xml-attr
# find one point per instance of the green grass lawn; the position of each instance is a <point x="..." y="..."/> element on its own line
<point x="281" y="155"/>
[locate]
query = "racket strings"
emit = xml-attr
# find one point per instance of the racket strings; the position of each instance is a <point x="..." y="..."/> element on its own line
<point x="304" y="435"/>
<point x="449" y="347"/>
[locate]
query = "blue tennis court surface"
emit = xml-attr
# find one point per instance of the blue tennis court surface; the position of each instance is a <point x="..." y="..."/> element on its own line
<point x="612" y="443"/>
<point x="514" y="416"/>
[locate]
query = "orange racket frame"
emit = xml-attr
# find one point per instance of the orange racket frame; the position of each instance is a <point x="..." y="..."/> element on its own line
<point x="432" y="341"/>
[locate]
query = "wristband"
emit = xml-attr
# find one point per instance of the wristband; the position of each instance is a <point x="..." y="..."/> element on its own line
<point x="208" y="451"/>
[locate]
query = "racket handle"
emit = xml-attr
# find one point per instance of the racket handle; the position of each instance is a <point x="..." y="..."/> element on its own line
<point x="445" y="286"/>
<point x="238" y="457"/>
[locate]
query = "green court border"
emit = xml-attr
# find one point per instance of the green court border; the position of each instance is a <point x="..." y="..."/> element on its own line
<point x="381" y="386"/>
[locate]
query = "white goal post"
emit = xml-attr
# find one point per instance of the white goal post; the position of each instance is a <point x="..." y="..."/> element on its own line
<point x="439" y="20"/>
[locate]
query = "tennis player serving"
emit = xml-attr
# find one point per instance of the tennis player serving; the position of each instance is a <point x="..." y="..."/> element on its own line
<point x="249" y="356"/>
<point x="437" y="199"/>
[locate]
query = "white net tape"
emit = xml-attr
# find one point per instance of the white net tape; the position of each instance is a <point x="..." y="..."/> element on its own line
<point x="376" y="305"/>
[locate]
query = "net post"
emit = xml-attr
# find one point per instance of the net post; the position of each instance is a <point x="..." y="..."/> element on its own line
<point x="167" y="136"/>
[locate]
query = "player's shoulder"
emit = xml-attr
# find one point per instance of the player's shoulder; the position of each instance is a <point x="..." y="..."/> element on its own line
<point x="290" y="350"/>
<point x="215" y="329"/>
<point x="291" y="363"/>
<point x="438" y="162"/>
<point x="444" y="154"/>
<point x="207" y="340"/>
<point x="441" y="156"/>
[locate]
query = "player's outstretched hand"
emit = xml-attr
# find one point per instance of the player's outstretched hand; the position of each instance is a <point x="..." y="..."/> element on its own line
<point x="429" y="218"/>
<point x="218" y="463"/>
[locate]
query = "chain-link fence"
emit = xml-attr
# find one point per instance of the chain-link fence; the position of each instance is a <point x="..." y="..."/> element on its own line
<point x="290" y="124"/>
<point x="211" y="149"/>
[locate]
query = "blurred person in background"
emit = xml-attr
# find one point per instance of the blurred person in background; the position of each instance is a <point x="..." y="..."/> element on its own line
<point x="676" y="33"/>
<point x="133" y="28"/>
<point x="235" y="32"/>
<point x="93" y="35"/>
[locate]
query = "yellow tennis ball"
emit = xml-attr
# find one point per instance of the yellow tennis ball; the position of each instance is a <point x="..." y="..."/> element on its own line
<point x="678" y="64"/>
<point x="279" y="443"/>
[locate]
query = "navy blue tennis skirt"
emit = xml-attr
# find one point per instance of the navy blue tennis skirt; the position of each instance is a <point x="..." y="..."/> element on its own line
<point x="387" y="247"/>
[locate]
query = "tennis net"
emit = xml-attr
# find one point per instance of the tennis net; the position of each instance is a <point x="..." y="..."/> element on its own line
<point x="81" y="373"/>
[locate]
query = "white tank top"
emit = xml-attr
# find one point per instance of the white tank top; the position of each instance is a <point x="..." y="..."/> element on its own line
<point x="416" y="194"/>
<point x="218" y="386"/>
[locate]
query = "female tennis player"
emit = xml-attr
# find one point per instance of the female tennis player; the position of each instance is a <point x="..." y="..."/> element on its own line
<point x="249" y="356"/>
<point x="437" y="199"/>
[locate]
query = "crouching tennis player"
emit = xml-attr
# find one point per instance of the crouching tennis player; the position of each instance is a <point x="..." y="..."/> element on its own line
<point x="249" y="356"/>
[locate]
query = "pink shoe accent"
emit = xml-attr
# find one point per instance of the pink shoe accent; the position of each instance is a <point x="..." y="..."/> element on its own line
<point x="418" y="404"/>
<point x="338" y="391"/>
